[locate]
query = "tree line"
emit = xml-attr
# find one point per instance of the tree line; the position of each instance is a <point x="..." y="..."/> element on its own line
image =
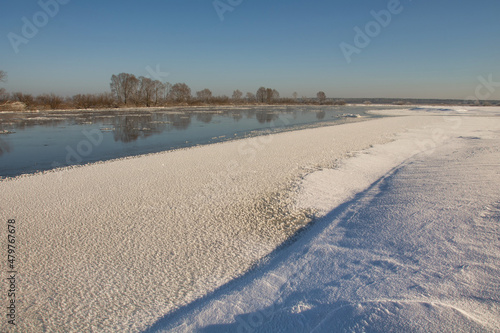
<point x="142" y="91"/>
<point x="128" y="90"/>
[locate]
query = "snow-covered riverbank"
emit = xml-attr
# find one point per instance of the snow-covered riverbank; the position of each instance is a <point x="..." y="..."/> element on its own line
<point x="417" y="251"/>
<point x="116" y="246"/>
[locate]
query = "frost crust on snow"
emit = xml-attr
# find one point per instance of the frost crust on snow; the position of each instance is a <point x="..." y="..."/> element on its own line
<point x="115" y="246"/>
<point x="415" y="248"/>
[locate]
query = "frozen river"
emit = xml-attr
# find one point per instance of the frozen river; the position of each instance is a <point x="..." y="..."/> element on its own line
<point x="39" y="141"/>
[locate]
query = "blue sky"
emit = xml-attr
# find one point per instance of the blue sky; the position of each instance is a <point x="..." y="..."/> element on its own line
<point x="431" y="49"/>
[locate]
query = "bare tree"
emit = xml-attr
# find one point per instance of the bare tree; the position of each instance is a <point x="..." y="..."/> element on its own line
<point x="261" y="95"/>
<point x="250" y="97"/>
<point x="53" y="101"/>
<point x="27" y="99"/>
<point x="105" y="99"/>
<point x="146" y="90"/>
<point x="269" y="95"/>
<point x="3" y="94"/>
<point x="124" y="86"/>
<point x="321" y="96"/>
<point x="180" y="92"/>
<point x="168" y="88"/>
<point x="237" y="95"/>
<point x="275" y="95"/>
<point x="82" y="101"/>
<point x="220" y="99"/>
<point x="272" y="95"/>
<point x="158" y="91"/>
<point x="86" y="101"/>
<point x="204" y="95"/>
<point x="167" y="92"/>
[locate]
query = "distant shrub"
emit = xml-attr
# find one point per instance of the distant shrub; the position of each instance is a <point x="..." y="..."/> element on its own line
<point x="27" y="99"/>
<point x="13" y="106"/>
<point x="223" y="100"/>
<point x="88" y="101"/>
<point x="51" y="101"/>
<point x="4" y="96"/>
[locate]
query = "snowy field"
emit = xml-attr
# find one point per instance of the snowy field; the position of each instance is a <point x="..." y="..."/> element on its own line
<point x="406" y="235"/>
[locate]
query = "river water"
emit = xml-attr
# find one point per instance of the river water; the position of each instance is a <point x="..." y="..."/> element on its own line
<point x="44" y="140"/>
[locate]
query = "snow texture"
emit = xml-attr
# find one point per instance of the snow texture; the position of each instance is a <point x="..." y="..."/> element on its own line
<point x="406" y="238"/>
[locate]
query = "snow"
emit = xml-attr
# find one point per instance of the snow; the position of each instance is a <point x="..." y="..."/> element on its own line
<point x="400" y="242"/>
<point x="416" y="250"/>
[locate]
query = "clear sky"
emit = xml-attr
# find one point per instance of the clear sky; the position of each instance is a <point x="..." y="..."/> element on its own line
<point x="429" y="49"/>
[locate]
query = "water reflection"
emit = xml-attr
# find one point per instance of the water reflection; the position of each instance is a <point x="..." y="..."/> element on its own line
<point x="204" y="117"/>
<point x="266" y="117"/>
<point x="237" y="116"/>
<point x="4" y="147"/>
<point x="180" y="121"/>
<point x="131" y="128"/>
<point x="149" y="130"/>
<point x="130" y="125"/>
